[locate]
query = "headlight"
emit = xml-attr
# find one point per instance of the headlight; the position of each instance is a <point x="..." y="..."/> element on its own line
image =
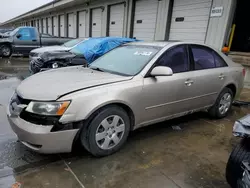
<point x="48" y="108"/>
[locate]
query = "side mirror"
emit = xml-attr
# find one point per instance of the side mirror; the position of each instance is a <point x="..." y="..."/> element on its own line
<point x="18" y="35"/>
<point x="161" y="71"/>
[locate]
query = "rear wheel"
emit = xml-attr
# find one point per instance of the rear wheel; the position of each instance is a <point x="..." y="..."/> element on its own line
<point x="223" y="104"/>
<point x="6" y="50"/>
<point x="239" y="154"/>
<point x="107" y="132"/>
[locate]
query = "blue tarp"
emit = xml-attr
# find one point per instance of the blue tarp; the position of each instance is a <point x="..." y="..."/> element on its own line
<point x="96" y="47"/>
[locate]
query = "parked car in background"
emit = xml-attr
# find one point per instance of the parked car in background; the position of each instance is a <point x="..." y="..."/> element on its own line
<point x="134" y="85"/>
<point x="78" y="52"/>
<point x="238" y="168"/>
<point x="24" y="39"/>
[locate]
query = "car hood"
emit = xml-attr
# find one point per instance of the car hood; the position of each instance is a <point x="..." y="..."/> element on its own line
<point x="51" y="85"/>
<point x="50" y="48"/>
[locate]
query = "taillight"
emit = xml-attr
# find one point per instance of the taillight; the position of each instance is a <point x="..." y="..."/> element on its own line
<point x="244" y="72"/>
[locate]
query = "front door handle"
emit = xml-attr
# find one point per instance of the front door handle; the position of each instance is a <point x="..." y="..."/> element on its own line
<point x="34" y="40"/>
<point x="222" y="76"/>
<point x="189" y="82"/>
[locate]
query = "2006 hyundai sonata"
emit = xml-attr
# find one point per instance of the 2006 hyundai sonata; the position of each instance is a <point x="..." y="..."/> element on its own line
<point x="135" y="85"/>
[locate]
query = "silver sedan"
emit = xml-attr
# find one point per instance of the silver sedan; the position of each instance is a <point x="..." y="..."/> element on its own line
<point x="132" y="86"/>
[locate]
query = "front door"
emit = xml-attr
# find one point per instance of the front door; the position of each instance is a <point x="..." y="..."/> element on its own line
<point x="168" y="96"/>
<point x="25" y="40"/>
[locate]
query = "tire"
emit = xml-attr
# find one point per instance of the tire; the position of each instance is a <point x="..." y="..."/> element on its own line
<point x="214" y="111"/>
<point x="239" y="154"/>
<point x="113" y="132"/>
<point x="6" y="50"/>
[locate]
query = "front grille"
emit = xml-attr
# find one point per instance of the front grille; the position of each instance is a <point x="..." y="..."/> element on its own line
<point x="39" y="119"/>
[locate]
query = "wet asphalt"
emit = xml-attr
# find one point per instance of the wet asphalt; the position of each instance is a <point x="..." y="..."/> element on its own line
<point x="189" y="152"/>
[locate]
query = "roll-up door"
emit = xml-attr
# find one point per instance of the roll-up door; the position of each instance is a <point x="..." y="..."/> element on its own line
<point x="116" y="20"/>
<point x="145" y="19"/>
<point x="50" y="26"/>
<point x="82" y="24"/>
<point x="96" y="24"/>
<point x="190" y="20"/>
<point x="71" y="25"/>
<point x="62" y="26"/>
<point x="55" y="25"/>
<point x="44" y="25"/>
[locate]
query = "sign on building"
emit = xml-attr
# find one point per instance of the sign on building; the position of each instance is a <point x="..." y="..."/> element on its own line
<point x="216" y="12"/>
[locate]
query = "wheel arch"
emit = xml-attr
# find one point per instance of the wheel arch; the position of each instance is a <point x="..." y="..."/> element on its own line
<point x="233" y="87"/>
<point x="123" y="105"/>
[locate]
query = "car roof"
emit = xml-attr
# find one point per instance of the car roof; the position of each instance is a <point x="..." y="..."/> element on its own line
<point x="162" y="44"/>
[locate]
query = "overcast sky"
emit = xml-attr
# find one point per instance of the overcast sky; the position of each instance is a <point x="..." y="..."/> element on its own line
<point x="12" y="8"/>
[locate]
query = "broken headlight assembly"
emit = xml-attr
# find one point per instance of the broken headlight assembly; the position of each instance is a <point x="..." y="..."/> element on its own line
<point x="48" y="108"/>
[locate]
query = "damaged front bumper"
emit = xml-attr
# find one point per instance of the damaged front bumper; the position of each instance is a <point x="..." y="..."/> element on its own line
<point x="42" y="138"/>
<point x="241" y="127"/>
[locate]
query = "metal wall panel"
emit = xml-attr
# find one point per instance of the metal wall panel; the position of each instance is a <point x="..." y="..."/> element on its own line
<point x="55" y="25"/>
<point x="96" y="24"/>
<point x="62" y="25"/>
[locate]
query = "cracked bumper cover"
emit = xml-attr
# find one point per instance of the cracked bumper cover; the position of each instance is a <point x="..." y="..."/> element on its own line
<point x="40" y="138"/>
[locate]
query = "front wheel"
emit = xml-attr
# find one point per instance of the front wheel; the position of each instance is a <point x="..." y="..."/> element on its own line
<point x="107" y="132"/>
<point x="6" y="50"/>
<point x="222" y="105"/>
<point x="239" y="154"/>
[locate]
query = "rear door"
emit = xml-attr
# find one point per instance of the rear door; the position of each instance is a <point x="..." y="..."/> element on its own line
<point x="210" y="72"/>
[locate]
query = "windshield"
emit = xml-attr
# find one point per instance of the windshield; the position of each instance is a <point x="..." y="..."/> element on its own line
<point x="14" y="32"/>
<point x="72" y="43"/>
<point x="125" y="60"/>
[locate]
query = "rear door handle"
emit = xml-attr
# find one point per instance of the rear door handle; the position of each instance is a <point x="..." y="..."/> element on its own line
<point x="189" y="82"/>
<point x="222" y="76"/>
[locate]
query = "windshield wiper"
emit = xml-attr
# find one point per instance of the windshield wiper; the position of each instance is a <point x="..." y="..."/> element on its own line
<point x="97" y="69"/>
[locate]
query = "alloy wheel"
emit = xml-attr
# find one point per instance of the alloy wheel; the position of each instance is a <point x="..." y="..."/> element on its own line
<point x="225" y="103"/>
<point x="110" y="132"/>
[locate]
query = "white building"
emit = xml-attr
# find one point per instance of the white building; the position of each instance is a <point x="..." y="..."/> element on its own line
<point x="201" y="21"/>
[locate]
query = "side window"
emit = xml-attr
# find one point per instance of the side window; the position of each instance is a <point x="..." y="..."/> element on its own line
<point x="175" y="58"/>
<point x="203" y="57"/>
<point x="27" y="34"/>
<point x="219" y="61"/>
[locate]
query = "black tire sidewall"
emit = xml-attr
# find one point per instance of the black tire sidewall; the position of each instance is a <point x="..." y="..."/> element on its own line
<point x="239" y="154"/>
<point x="6" y="46"/>
<point x="92" y="127"/>
<point x="215" y="108"/>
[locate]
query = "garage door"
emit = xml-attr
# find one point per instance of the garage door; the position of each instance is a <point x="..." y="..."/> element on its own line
<point x="62" y="26"/>
<point x="55" y="25"/>
<point x="71" y="25"/>
<point x="190" y="20"/>
<point x="96" y="25"/>
<point x="82" y="24"/>
<point x="50" y="26"/>
<point x="145" y="19"/>
<point x="116" y="24"/>
<point x="44" y="26"/>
